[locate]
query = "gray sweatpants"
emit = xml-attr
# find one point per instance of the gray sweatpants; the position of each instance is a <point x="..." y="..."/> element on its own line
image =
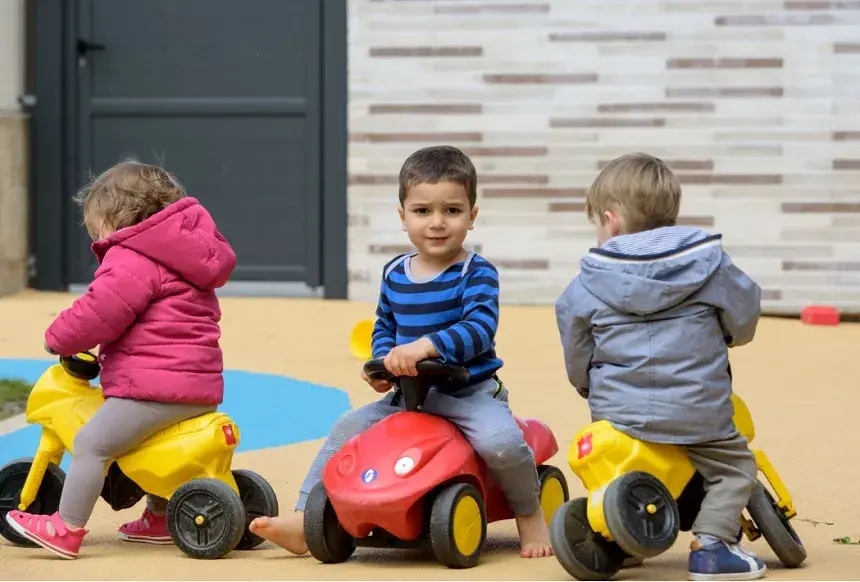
<point x="480" y="411"/>
<point x="730" y="472"/>
<point x="118" y="427"/>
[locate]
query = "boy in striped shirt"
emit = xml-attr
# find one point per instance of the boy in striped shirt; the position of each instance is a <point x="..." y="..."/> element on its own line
<point x="441" y="302"/>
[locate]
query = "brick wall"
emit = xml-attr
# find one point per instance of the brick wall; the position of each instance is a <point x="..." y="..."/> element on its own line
<point x="754" y="103"/>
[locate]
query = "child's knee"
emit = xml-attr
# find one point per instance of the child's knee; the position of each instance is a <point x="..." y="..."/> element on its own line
<point x="501" y="449"/>
<point x="91" y="443"/>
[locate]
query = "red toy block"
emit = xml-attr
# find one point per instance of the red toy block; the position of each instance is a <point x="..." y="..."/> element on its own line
<point x="820" y="315"/>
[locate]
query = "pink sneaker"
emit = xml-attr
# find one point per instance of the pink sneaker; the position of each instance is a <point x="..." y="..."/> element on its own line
<point x="149" y="529"/>
<point x="61" y="541"/>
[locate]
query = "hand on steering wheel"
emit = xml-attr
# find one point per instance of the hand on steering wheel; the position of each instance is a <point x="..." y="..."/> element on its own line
<point x="403" y="360"/>
<point x="380" y="385"/>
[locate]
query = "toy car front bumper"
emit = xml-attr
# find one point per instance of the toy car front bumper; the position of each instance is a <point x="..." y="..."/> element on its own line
<point x="360" y="512"/>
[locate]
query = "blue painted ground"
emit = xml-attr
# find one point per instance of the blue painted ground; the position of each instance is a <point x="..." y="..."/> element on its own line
<point x="271" y="410"/>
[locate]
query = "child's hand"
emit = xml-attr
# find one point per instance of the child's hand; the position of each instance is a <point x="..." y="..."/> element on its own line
<point x="379" y="384"/>
<point x="403" y="360"/>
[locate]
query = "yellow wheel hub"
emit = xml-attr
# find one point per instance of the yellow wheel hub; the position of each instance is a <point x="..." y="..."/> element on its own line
<point x="85" y="357"/>
<point x="551" y="498"/>
<point x="651" y="509"/>
<point x="467" y="525"/>
<point x="199" y="520"/>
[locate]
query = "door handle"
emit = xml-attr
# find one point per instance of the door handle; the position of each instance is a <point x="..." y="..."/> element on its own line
<point x="26" y="100"/>
<point x="85" y="46"/>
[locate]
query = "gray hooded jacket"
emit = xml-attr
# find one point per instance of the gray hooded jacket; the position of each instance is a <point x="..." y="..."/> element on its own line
<point x="645" y="329"/>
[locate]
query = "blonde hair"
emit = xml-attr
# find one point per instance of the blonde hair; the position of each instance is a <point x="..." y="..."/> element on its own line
<point x="641" y="188"/>
<point x="127" y="194"/>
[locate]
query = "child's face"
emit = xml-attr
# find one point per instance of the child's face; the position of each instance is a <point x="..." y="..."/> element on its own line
<point x="437" y="217"/>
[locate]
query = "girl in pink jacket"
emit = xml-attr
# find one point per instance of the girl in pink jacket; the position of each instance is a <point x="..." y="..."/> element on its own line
<point x="152" y="311"/>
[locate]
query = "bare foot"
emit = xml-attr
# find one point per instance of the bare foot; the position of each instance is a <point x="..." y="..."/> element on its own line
<point x="286" y="531"/>
<point x="534" y="535"/>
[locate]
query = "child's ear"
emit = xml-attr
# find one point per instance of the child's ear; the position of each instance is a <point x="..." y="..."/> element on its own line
<point x="472" y="216"/>
<point x="402" y="216"/>
<point x="614" y="222"/>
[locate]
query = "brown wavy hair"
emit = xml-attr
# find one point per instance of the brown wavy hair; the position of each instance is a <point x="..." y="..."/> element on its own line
<point x="127" y="194"/>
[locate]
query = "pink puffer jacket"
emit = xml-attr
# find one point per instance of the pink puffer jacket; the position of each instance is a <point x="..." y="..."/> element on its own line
<point x="152" y="309"/>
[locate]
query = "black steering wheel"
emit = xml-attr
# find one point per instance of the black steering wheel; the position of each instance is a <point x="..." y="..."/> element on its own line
<point x="443" y="373"/>
<point x="83" y="365"/>
<point x="415" y="389"/>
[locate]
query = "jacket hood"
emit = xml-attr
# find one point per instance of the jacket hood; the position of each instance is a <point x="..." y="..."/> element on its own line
<point x="184" y="239"/>
<point x="651" y="271"/>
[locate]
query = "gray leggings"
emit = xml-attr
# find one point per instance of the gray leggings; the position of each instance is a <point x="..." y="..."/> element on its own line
<point x="480" y="411"/>
<point x="118" y="427"/>
<point x="729" y="470"/>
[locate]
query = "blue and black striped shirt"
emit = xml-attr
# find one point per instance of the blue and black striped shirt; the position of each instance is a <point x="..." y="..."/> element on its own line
<point x="458" y="310"/>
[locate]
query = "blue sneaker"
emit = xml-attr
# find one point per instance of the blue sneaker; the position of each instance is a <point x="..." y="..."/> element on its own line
<point x="721" y="561"/>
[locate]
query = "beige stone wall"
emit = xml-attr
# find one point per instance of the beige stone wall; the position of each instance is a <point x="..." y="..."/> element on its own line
<point x="13" y="150"/>
<point x="11" y="54"/>
<point x="13" y="203"/>
<point x="754" y="103"/>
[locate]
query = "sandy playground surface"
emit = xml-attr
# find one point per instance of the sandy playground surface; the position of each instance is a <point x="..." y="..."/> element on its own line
<point x="800" y="382"/>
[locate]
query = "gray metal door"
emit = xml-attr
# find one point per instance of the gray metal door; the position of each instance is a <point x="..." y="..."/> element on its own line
<point x="224" y="93"/>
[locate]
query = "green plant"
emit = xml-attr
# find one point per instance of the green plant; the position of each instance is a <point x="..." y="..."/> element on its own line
<point x="13" y="396"/>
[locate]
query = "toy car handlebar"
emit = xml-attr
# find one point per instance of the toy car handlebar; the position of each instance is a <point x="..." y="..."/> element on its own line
<point x="426" y="368"/>
<point x="83" y="365"/>
<point x="414" y="389"/>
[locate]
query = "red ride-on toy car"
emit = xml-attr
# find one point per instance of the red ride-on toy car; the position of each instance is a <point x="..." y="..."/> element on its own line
<point x="413" y="481"/>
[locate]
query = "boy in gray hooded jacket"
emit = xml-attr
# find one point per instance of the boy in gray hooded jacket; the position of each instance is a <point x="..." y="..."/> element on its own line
<point x="646" y="327"/>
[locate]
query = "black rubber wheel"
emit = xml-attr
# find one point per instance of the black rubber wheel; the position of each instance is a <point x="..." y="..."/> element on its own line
<point x="327" y="541"/>
<point x="641" y="514"/>
<point x="457" y="510"/>
<point x="259" y="500"/>
<point x="12" y="478"/>
<point x="206" y="518"/>
<point x="776" y="529"/>
<point x="582" y="552"/>
<point x="553" y="490"/>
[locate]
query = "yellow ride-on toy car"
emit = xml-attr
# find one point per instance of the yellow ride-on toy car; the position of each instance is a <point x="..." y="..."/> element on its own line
<point x="640" y="495"/>
<point x="189" y="464"/>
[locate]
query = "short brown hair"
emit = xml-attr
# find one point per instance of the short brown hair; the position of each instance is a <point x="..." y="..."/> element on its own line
<point x="439" y="164"/>
<point x="127" y="194"/>
<point x="641" y="188"/>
